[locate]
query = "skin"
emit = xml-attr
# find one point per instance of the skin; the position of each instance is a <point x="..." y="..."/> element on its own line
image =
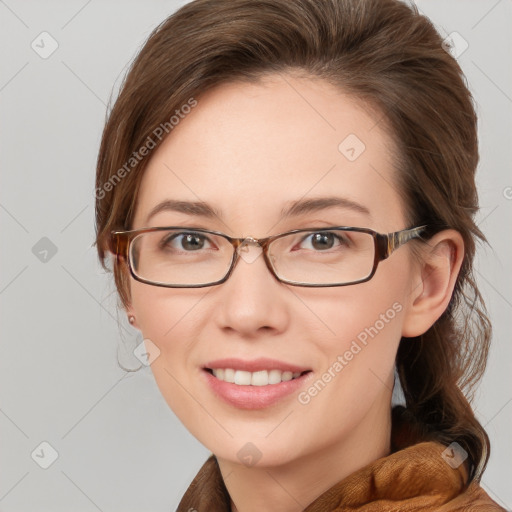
<point x="249" y="149"/>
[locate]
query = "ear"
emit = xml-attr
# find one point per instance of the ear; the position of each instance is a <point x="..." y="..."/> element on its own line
<point x="435" y="279"/>
<point x="119" y="265"/>
<point x="127" y="301"/>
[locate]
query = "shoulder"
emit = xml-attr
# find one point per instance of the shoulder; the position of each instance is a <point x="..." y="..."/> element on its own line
<point x="474" y="499"/>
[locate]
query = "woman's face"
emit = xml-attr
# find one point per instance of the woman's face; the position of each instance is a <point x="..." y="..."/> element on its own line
<point x="250" y="151"/>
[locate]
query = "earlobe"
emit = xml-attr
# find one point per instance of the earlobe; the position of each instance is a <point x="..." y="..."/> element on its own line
<point x="437" y="274"/>
<point x="131" y="317"/>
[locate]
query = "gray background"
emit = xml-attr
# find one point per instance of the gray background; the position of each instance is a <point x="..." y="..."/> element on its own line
<point x="120" y="447"/>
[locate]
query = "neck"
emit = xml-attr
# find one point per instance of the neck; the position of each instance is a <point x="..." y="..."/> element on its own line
<point x="295" y="485"/>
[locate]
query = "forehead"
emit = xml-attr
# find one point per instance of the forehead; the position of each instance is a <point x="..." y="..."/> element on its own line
<point x="251" y="149"/>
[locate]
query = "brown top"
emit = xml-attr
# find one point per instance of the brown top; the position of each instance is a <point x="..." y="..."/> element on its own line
<point x="411" y="478"/>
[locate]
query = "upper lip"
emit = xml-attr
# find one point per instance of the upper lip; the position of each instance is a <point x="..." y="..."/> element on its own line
<point x="255" y="365"/>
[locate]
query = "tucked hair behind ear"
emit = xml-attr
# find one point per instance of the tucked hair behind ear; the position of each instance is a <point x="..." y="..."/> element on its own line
<point x="391" y="58"/>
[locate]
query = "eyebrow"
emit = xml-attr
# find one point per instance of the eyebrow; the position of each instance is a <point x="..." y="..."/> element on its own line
<point x="303" y="206"/>
<point x="293" y="208"/>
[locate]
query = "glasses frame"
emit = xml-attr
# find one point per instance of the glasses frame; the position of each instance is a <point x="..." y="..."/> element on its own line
<point x="385" y="245"/>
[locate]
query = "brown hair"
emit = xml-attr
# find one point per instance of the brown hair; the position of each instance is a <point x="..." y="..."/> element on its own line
<point x="382" y="52"/>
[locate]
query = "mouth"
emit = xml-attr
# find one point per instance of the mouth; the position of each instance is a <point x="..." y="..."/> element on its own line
<point x="254" y="384"/>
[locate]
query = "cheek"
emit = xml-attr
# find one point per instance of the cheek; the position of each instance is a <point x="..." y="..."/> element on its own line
<point x="163" y="312"/>
<point x="362" y="311"/>
<point x="365" y="322"/>
<point x="364" y="332"/>
<point x="172" y="320"/>
<point x="357" y="368"/>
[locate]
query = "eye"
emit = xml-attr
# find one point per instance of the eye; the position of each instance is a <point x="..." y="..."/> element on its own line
<point x="325" y="240"/>
<point x="186" y="241"/>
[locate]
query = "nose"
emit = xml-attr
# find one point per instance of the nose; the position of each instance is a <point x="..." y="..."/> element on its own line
<point x="252" y="300"/>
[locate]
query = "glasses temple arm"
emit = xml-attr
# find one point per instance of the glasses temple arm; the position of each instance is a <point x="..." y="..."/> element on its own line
<point x="392" y="241"/>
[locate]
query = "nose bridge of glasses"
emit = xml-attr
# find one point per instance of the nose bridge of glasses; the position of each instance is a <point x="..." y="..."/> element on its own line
<point x="244" y="249"/>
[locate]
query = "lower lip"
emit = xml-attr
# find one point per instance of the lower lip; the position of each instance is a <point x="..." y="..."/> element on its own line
<point x="253" y="397"/>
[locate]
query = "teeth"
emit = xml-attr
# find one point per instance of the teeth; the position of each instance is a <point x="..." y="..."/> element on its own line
<point x="261" y="378"/>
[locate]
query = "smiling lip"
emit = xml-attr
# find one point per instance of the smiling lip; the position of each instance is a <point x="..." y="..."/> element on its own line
<point x="254" y="397"/>
<point x="255" y="365"/>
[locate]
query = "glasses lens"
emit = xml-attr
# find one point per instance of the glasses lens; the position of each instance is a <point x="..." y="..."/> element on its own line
<point x="180" y="257"/>
<point x="323" y="256"/>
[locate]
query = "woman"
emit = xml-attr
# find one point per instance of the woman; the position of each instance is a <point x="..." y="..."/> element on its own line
<point x="289" y="190"/>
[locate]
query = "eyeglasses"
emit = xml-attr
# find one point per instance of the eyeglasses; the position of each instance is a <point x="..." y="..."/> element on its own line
<point x="178" y="257"/>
